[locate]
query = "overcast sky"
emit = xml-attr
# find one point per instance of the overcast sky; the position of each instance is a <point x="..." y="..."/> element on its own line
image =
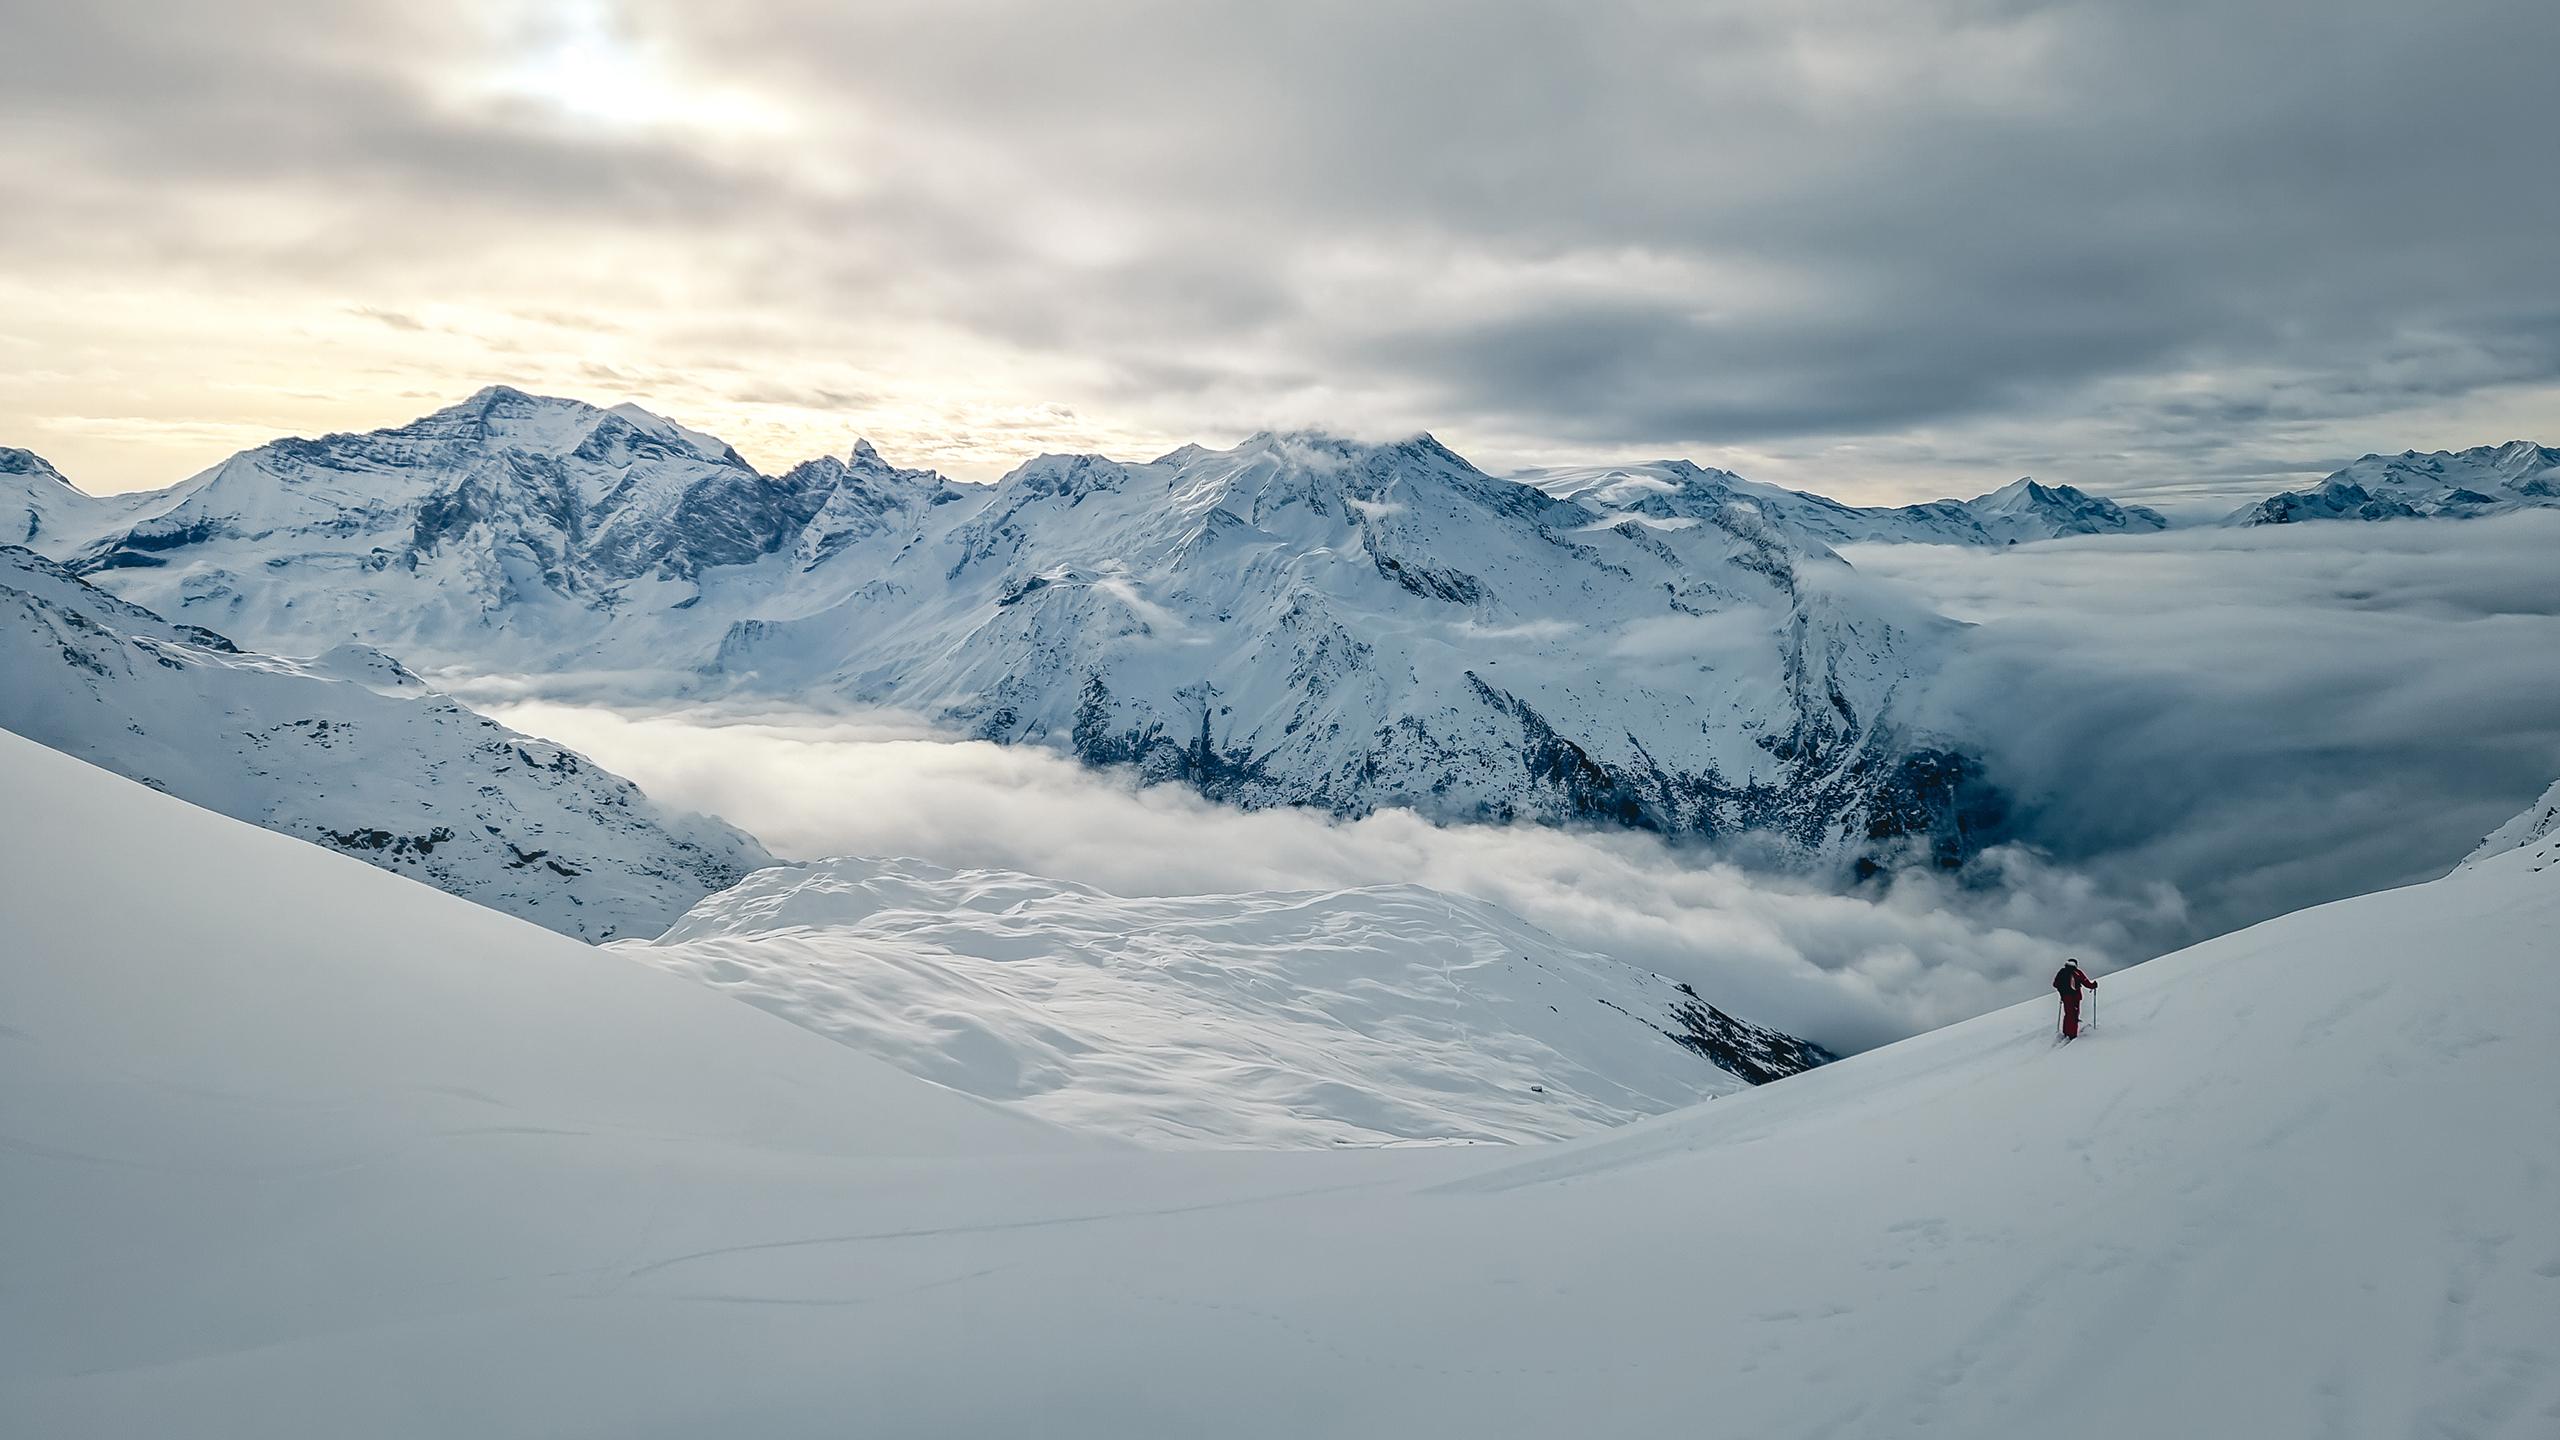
<point x="1883" y="248"/>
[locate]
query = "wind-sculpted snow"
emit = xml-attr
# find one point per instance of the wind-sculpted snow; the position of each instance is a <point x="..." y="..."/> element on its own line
<point x="2299" y="1181"/>
<point x="1271" y="1019"/>
<point x="351" y="751"/>
<point x="2450" y="484"/>
<point x="1675" y="491"/>
<point x="1299" y="620"/>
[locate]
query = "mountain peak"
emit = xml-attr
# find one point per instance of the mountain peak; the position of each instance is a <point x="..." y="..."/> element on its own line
<point x="2483" y="480"/>
<point x="14" y="461"/>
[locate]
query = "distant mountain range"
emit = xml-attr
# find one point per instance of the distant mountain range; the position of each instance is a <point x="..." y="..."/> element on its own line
<point x="2016" y="513"/>
<point x="2447" y="484"/>
<point x="1297" y="620"/>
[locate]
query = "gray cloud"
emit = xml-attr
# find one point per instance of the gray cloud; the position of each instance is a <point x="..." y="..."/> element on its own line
<point x="1861" y="245"/>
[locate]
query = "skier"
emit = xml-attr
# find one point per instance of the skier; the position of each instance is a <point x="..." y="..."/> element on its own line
<point x="2071" y="980"/>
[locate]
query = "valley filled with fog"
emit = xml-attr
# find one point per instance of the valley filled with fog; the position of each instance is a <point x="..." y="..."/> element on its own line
<point x="2201" y="729"/>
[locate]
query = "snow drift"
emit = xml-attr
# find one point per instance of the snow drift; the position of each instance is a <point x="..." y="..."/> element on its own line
<point x="2300" y="1181"/>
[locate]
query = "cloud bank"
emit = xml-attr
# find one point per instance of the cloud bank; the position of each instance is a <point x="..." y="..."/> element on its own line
<point x="2264" y="718"/>
<point x="1848" y="972"/>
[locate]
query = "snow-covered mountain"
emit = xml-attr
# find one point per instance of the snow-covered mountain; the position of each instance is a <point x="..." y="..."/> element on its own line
<point x="1303" y="620"/>
<point x="2298" y="1181"/>
<point x="508" y="526"/>
<point x="1297" y="620"/>
<point x="1267" y="1019"/>
<point x="2537" y="822"/>
<point x="2014" y="514"/>
<point x="350" y="751"/>
<point x="2453" y="484"/>
<point x="42" y="509"/>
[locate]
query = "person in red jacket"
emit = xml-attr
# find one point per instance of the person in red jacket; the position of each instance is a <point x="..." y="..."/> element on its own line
<point x="2071" y="980"/>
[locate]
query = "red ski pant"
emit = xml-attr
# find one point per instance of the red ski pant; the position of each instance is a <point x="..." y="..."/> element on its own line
<point x="2070" y="1012"/>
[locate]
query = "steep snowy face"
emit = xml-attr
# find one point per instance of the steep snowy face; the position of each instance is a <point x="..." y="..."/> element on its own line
<point x="1265" y="1020"/>
<point x="2014" y="514"/>
<point x="352" y="752"/>
<point x="866" y="496"/>
<point x="1304" y="620"/>
<point x="540" y="518"/>
<point x="2533" y="825"/>
<point x="2453" y="484"/>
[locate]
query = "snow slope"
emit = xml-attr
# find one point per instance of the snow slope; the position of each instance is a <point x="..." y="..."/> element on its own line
<point x="350" y="750"/>
<point x="2454" y="484"/>
<point x="2532" y="825"/>
<point x="1269" y="1019"/>
<point x="1297" y="620"/>
<point x="2014" y="514"/>
<point x="2301" y="1180"/>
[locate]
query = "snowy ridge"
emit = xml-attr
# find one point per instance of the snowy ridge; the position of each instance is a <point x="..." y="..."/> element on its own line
<point x="2451" y="484"/>
<point x="1297" y="620"/>
<point x="2022" y="511"/>
<point x="351" y="751"/>
<point x="2532" y="825"/>
<point x="40" y="508"/>
<point x="509" y="526"/>
<point x="1263" y="1020"/>
<point x="499" y="1184"/>
<point x="1304" y="620"/>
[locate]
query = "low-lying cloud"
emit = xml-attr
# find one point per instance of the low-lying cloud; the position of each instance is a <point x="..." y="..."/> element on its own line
<point x="1848" y="971"/>
<point x="2264" y="718"/>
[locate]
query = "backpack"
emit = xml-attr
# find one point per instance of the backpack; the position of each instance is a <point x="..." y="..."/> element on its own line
<point x="2067" y="979"/>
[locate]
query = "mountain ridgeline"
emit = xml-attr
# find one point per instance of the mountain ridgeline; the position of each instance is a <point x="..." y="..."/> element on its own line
<point x="2414" y="485"/>
<point x="1298" y="620"/>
